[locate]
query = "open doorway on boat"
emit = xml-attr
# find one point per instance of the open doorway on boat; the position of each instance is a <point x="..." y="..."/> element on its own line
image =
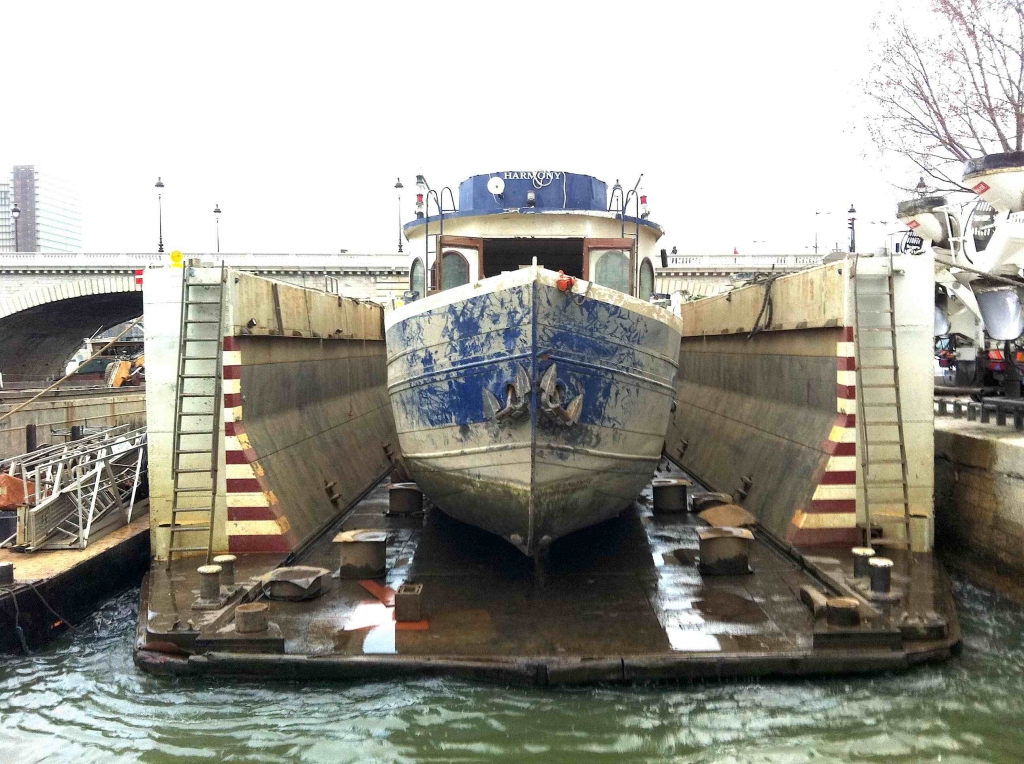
<point x="502" y="255"/>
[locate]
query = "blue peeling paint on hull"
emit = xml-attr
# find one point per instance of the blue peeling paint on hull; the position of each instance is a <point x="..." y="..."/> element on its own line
<point x="534" y="477"/>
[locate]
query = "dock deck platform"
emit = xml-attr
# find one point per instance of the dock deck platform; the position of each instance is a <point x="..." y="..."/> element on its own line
<point x="51" y="586"/>
<point x="622" y="601"/>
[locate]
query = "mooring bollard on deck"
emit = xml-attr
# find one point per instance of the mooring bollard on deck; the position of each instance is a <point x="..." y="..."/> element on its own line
<point x="724" y="551"/>
<point x="404" y="499"/>
<point x="861" y="556"/>
<point x="209" y="582"/>
<point x="6" y="573"/>
<point x="669" y="495"/>
<point x="227" y="568"/>
<point x="363" y="553"/>
<point x="251" y="618"/>
<point x="881" y="574"/>
<point x="842" y="611"/>
<point x="409" y="602"/>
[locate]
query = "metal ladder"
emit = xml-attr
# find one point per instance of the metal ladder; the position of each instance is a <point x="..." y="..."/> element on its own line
<point x="872" y="486"/>
<point x="197" y="402"/>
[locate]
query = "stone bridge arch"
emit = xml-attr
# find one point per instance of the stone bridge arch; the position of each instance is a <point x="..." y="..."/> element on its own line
<point x="41" y="326"/>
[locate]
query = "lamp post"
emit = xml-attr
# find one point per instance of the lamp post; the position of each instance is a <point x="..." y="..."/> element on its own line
<point x="399" y="187"/>
<point x="816" y="229"/>
<point x="216" y="211"/>
<point x="160" y="208"/>
<point x="853" y="231"/>
<point x="15" y="213"/>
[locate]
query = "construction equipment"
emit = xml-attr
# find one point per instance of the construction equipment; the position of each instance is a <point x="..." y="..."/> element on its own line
<point x="886" y="495"/>
<point x="197" y="415"/>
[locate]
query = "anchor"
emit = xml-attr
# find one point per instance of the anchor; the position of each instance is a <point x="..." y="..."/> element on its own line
<point x="551" y="400"/>
<point x="517" y="398"/>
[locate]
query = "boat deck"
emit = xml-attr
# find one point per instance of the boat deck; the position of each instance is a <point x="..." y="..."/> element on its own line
<point x="624" y="600"/>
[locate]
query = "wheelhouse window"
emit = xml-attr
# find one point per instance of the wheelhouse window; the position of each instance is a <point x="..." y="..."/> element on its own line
<point x="454" y="270"/>
<point x="612" y="270"/>
<point x="416" y="278"/>
<point x="646" y="280"/>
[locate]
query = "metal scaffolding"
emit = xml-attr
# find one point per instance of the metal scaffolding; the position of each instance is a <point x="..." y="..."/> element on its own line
<point x="78" y="491"/>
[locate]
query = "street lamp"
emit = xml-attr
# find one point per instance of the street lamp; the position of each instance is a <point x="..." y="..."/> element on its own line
<point x="921" y="188"/>
<point x="399" y="187"/>
<point x="15" y="213"/>
<point x="160" y="208"/>
<point x="216" y="211"/>
<point x="816" y="229"/>
<point x="853" y="231"/>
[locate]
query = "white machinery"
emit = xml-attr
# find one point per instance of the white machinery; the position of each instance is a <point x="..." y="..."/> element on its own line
<point x="979" y="252"/>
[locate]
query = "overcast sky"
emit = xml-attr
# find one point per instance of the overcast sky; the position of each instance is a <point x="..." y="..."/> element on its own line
<point x="296" y="118"/>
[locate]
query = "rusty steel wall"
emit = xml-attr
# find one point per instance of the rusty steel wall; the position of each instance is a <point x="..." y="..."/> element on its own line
<point x="311" y="421"/>
<point x="763" y="409"/>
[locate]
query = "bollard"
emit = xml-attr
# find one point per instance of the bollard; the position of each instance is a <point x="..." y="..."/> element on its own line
<point x="958" y="409"/>
<point x="227" y="568"/>
<point x="404" y="499"/>
<point x="984" y="413"/>
<point x="1000" y="415"/>
<point x="409" y="602"/>
<point x="842" y="611"/>
<point x="881" y="574"/>
<point x="31" y="439"/>
<point x="1018" y="419"/>
<point x="942" y="408"/>
<point x="363" y="553"/>
<point x="972" y="414"/>
<point x="251" y="618"/>
<point x="669" y="495"/>
<point x="77" y="432"/>
<point x="724" y="551"/>
<point x="861" y="557"/>
<point x="6" y="573"/>
<point x="209" y="582"/>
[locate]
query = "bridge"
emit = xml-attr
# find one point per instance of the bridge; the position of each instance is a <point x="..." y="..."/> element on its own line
<point x="703" y="275"/>
<point x="49" y="301"/>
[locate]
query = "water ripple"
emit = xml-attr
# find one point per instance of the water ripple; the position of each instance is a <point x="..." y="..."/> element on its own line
<point x="83" y="700"/>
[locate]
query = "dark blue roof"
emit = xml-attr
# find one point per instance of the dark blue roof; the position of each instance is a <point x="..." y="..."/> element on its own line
<point x="553" y="191"/>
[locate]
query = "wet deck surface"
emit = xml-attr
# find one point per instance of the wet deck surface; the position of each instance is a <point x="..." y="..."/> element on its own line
<point x="629" y="587"/>
<point x="39" y="566"/>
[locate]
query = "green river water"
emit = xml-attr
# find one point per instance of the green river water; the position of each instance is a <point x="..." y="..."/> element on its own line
<point x="82" y="700"/>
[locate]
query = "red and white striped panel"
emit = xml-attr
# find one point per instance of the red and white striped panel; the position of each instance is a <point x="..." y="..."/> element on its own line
<point x="255" y="522"/>
<point x="832" y="515"/>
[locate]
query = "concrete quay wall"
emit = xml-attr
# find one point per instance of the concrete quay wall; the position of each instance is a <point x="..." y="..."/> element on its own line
<point x="780" y="408"/>
<point x="306" y="415"/>
<point x="62" y="410"/>
<point x="979" y="494"/>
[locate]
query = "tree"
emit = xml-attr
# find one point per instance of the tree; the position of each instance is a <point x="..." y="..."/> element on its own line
<point x="948" y="84"/>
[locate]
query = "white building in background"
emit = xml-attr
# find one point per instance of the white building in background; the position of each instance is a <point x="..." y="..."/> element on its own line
<point x="50" y="219"/>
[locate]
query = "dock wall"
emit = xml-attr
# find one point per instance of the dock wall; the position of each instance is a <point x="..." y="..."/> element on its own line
<point x="306" y="416"/>
<point x="979" y="494"/>
<point x="779" y="408"/>
<point x="62" y="410"/>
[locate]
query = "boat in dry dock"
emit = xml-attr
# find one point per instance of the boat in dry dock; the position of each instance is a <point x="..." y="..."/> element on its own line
<point x="530" y="376"/>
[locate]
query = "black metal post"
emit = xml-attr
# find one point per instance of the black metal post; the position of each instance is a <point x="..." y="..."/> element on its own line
<point x="853" y="231"/>
<point x="216" y="211"/>
<point x="399" y="186"/>
<point x="15" y="213"/>
<point x="160" y="212"/>
<point x="31" y="439"/>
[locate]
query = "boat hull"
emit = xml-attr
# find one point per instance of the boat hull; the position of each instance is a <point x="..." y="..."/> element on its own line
<point x="498" y="439"/>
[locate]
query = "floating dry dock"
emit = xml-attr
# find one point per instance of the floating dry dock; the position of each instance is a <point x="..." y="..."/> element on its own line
<point x="305" y="446"/>
<point x="624" y="600"/>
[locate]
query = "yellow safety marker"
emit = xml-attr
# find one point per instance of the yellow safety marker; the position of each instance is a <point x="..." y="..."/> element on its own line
<point x="177" y="259"/>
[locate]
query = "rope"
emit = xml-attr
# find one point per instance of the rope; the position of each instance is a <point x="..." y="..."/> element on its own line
<point x="767" y="304"/>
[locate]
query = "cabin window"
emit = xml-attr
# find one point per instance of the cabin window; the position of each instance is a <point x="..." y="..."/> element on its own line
<point x="455" y="270"/>
<point x="416" y="278"/>
<point x="646" y="280"/>
<point x="613" y="270"/>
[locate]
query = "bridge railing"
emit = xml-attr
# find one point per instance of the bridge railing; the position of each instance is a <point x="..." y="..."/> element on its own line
<point x="740" y="263"/>
<point x="254" y="260"/>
